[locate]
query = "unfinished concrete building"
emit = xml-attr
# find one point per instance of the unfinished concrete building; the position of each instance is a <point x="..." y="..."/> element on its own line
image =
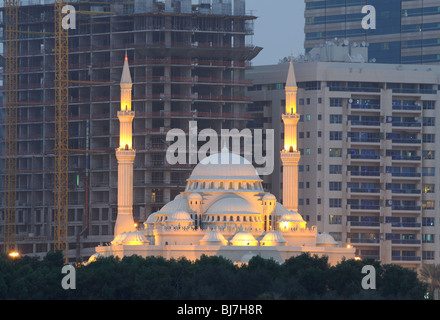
<point x="188" y="62"/>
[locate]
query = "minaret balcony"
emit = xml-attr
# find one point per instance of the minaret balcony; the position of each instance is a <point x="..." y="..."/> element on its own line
<point x="126" y="113"/>
<point x="292" y="116"/>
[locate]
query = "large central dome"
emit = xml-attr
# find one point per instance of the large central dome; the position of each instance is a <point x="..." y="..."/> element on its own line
<point x="224" y="165"/>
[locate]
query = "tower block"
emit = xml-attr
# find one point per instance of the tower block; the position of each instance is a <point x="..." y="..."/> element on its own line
<point x="125" y="155"/>
<point x="290" y="155"/>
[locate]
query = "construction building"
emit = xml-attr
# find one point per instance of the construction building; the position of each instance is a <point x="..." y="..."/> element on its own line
<point x="188" y="62"/>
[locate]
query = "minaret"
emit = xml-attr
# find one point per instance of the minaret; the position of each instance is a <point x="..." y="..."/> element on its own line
<point x="125" y="155"/>
<point x="290" y="155"/>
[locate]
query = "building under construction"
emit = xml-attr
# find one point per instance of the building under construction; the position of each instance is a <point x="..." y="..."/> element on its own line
<point x="188" y="62"/>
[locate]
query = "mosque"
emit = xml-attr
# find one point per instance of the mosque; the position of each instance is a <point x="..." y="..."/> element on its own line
<point x="224" y="210"/>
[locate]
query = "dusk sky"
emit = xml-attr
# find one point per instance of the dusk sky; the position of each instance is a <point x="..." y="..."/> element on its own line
<point x="279" y="29"/>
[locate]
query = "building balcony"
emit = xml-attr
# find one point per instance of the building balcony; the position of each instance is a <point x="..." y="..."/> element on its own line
<point x="406" y="208"/>
<point x="406" y="241"/>
<point x="406" y="258"/>
<point x="364" y="241"/>
<point x="364" y="190"/>
<point x="409" y="225"/>
<point x="407" y="108"/>
<point x="364" y="207"/>
<point x="365" y="106"/>
<point x="365" y="156"/>
<point x="365" y="123"/>
<point x="408" y="192"/>
<point x="406" y="158"/>
<point x="364" y="224"/>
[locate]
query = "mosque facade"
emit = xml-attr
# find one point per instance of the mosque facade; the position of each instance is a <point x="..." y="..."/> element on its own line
<point x="224" y="210"/>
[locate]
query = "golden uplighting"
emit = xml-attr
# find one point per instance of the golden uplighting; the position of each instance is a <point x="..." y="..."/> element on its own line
<point x="14" y="254"/>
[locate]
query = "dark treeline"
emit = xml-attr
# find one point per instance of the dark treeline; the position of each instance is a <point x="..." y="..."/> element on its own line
<point x="209" y="278"/>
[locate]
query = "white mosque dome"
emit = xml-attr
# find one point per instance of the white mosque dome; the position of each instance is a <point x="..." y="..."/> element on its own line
<point x="195" y="196"/>
<point x="130" y="238"/>
<point x="151" y="218"/>
<point x="269" y="196"/>
<point x="224" y="165"/>
<point x="243" y="238"/>
<point x="179" y="216"/>
<point x="291" y="216"/>
<point x="273" y="238"/>
<point x="324" y="239"/>
<point x="179" y="204"/>
<point x="231" y="205"/>
<point x="213" y="237"/>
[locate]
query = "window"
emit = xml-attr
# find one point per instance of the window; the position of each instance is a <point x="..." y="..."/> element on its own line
<point x="428" y="238"/>
<point x="335" y="102"/>
<point x="428" y="222"/>
<point x="429" y="105"/>
<point x="335" y="186"/>
<point x="428" y="255"/>
<point x="308" y="117"/>
<point x="335" y="135"/>
<point x="429" y="188"/>
<point x="429" y="121"/>
<point x="335" y="118"/>
<point x="428" y="155"/>
<point x="335" y="203"/>
<point x="335" y="169"/>
<point x="428" y="172"/>
<point x="428" y="204"/>
<point x="334" y="219"/>
<point x="428" y="138"/>
<point x="335" y="152"/>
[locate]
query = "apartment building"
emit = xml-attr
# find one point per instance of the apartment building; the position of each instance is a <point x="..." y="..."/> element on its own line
<point x="407" y="31"/>
<point x="187" y="62"/>
<point x="368" y="170"/>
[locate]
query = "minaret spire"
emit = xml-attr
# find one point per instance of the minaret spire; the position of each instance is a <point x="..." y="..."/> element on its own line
<point x="290" y="155"/>
<point x="125" y="155"/>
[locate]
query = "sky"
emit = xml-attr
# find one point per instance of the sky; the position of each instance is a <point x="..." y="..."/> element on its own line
<point x="279" y="29"/>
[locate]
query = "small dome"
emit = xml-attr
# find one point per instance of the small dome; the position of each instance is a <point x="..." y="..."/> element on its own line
<point x="324" y="239"/>
<point x="231" y="205"/>
<point x="130" y="238"/>
<point x="291" y="216"/>
<point x="179" y="216"/>
<point x="213" y="237"/>
<point x="151" y="218"/>
<point x="272" y="238"/>
<point x="179" y="204"/>
<point x="269" y="196"/>
<point x="195" y="196"/>
<point x="243" y="238"/>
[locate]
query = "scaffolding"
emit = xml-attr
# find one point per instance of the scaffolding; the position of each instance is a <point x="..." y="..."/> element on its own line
<point x="11" y="29"/>
<point x="61" y="129"/>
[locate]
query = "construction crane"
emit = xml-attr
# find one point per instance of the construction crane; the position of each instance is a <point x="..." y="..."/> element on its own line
<point x="61" y="130"/>
<point x="11" y="29"/>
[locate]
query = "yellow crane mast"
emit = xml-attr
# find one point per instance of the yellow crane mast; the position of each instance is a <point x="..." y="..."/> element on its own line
<point x="61" y="129"/>
<point x="11" y="82"/>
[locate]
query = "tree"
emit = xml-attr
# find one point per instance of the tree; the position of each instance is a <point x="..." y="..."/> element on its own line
<point x="430" y="274"/>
